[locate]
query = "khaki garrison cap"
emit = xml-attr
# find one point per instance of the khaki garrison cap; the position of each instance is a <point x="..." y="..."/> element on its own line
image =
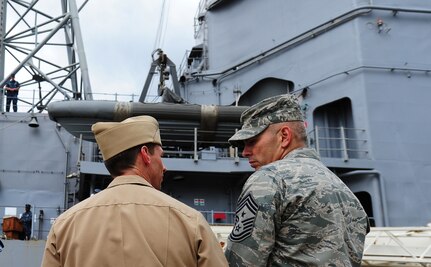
<point x="116" y="137"/>
<point x="257" y="118"/>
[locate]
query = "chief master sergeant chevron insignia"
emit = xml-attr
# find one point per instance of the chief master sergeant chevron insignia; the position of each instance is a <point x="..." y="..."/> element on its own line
<point x="244" y="218"/>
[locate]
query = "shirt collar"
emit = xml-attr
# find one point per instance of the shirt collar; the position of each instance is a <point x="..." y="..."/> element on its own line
<point x="303" y="152"/>
<point x="129" y="179"/>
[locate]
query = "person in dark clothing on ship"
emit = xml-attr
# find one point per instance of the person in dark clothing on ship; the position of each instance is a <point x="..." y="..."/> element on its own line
<point x="26" y="218"/>
<point x="12" y="88"/>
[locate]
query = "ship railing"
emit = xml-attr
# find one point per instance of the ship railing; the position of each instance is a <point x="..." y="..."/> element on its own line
<point x="339" y="142"/>
<point x="193" y="143"/>
<point x="189" y="144"/>
<point x="32" y="99"/>
<point x="384" y="246"/>
<point x="210" y="153"/>
<point x="398" y="246"/>
<point x="36" y="100"/>
<point x="43" y="217"/>
<point x="200" y="12"/>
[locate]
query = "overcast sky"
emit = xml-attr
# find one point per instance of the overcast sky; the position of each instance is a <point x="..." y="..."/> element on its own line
<point x="119" y="37"/>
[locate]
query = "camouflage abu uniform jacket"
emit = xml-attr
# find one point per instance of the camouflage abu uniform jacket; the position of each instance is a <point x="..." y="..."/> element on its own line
<point x="295" y="212"/>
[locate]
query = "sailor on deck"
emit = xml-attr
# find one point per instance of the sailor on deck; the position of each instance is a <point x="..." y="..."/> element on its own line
<point x="12" y="89"/>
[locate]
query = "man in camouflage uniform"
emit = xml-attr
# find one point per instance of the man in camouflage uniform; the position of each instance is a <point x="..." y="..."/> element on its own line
<point x="292" y="211"/>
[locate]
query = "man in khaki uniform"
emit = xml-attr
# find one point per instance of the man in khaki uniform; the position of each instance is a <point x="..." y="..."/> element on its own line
<point x="132" y="223"/>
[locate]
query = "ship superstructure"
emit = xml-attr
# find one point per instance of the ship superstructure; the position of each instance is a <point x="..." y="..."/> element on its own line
<point x="360" y="68"/>
<point x="362" y="71"/>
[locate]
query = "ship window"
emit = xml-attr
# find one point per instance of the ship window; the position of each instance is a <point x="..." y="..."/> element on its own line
<point x="195" y="56"/>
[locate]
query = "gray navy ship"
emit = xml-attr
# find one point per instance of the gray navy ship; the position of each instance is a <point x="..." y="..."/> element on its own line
<point x="361" y="69"/>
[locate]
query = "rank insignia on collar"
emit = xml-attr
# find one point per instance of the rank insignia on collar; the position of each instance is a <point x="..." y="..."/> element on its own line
<point x="244" y="218"/>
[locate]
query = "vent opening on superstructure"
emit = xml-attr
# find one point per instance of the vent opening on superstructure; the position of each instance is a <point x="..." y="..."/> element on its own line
<point x="334" y="134"/>
<point x="366" y="201"/>
<point x="265" y="88"/>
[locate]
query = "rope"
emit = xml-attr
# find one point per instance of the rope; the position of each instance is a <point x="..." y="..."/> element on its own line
<point x="161" y="29"/>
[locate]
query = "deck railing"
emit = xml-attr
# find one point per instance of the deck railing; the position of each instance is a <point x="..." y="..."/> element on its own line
<point x="191" y="148"/>
<point x="398" y="246"/>
<point x="339" y="142"/>
<point x="40" y="98"/>
<point x="330" y="142"/>
<point x="43" y="217"/>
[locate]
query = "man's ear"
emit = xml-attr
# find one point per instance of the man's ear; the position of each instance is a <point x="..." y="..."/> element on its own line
<point x="286" y="136"/>
<point x="145" y="153"/>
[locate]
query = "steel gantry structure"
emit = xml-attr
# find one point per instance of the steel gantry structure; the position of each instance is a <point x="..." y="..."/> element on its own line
<point x="41" y="42"/>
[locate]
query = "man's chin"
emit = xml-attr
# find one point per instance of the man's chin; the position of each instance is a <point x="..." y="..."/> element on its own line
<point x="255" y="166"/>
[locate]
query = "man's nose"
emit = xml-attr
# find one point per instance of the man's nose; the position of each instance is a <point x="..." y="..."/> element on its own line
<point x="246" y="151"/>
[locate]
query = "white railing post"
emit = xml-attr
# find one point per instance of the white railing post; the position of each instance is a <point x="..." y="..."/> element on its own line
<point x="316" y="138"/>
<point x="195" y="152"/>
<point x="236" y="151"/>
<point x="343" y="144"/>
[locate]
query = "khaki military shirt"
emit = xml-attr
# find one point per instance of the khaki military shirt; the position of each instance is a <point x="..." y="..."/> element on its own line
<point x="130" y="223"/>
<point x="296" y="212"/>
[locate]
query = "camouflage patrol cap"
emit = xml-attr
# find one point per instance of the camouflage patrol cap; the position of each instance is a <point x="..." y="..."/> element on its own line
<point x="257" y="118"/>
